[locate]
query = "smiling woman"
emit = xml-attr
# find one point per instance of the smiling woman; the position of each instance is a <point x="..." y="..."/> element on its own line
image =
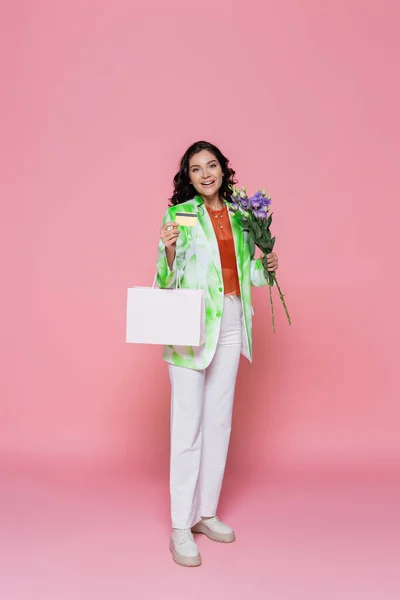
<point x="214" y="254"/>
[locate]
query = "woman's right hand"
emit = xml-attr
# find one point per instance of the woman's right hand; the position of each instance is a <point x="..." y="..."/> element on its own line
<point x="170" y="236"/>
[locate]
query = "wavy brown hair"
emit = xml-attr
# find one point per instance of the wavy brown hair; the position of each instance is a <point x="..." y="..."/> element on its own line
<point x="184" y="189"/>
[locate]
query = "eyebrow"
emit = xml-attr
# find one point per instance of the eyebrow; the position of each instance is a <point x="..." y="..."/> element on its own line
<point x="210" y="161"/>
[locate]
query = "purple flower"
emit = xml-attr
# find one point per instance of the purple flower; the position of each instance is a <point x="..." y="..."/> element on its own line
<point x="260" y="213"/>
<point x="256" y="201"/>
<point x="245" y="202"/>
<point x="266" y="201"/>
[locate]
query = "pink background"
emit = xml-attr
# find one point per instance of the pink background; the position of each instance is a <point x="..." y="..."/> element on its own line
<point x="100" y="101"/>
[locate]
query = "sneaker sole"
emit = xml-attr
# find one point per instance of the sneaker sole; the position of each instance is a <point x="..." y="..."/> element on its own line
<point x="223" y="538"/>
<point x="184" y="561"/>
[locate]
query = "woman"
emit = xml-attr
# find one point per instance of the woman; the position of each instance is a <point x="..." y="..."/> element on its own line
<point x="215" y="255"/>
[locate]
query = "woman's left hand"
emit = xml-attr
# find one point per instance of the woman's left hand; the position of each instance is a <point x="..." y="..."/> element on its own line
<point x="272" y="261"/>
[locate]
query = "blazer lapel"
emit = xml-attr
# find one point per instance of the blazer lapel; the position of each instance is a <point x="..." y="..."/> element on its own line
<point x="238" y="237"/>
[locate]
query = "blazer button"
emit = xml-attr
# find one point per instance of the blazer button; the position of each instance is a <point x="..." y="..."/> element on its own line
<point x="220" y="289"/>
<point x="218" y="314"/>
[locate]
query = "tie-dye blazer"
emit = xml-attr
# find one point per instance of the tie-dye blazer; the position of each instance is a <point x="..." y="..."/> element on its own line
<point x="198" y="266"/>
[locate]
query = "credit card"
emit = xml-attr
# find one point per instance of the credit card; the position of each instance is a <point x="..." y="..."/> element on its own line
<point x="187" y="219"/>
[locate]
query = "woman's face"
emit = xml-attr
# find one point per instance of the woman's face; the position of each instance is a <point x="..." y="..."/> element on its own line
<point x="205" y="173"/>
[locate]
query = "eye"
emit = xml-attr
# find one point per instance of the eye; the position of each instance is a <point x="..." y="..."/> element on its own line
<point x="194" y="170"/>
<point x="214" y="165"/>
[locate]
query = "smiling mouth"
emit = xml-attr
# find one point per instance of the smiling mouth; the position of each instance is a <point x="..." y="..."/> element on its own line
<point x="208" y="183"/>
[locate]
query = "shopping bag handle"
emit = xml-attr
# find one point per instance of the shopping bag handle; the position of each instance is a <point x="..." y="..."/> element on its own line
<point x="176" y="283"/>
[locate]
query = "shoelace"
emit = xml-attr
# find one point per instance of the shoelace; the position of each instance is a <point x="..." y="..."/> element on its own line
<point x="184" y="535"/>
<point x="211" y="520"/>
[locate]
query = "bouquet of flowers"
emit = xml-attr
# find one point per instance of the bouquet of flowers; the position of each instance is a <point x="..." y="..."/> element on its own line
<point x="256" y="219"/>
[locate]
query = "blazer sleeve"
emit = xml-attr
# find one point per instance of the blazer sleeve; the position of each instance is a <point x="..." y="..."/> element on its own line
<point x="257" y="276"/>
<point x="166" y="277"/>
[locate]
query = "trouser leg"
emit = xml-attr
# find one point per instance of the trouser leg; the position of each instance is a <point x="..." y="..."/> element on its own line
<point x="219" y="390"/>
<point x="187" y="393"/>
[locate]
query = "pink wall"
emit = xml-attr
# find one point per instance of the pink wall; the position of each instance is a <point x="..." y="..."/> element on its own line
<point x="102" y="99"/>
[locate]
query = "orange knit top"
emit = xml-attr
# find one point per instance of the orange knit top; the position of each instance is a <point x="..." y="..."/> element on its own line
<point x="223" y="231"/>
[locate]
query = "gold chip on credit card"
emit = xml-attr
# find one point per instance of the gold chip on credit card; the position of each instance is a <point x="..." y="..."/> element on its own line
<point x="187" y="219"/>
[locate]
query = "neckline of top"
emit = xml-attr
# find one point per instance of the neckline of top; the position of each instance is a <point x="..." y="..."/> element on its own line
<point x="215" y="210"/>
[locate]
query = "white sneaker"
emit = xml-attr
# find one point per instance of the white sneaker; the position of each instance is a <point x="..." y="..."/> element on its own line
<point x="184" y="549"/>
<point x="215" y="530"/>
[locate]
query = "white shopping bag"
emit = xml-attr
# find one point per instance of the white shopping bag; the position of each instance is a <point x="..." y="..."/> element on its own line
<point x="172" y="317"/>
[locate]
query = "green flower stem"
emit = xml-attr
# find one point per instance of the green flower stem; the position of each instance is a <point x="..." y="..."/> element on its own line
<point x="271" y="277"/>
<point x="282" y="297"/>
<point x="272" y="308"/>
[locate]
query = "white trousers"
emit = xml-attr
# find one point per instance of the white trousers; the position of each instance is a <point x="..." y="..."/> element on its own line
<point x="201" y="418"/>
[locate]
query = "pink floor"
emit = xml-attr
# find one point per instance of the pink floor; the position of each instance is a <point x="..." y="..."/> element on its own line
<point x="84" y="537"/>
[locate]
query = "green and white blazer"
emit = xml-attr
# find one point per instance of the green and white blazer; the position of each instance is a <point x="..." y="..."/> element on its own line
<point x="197" y="265"/>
